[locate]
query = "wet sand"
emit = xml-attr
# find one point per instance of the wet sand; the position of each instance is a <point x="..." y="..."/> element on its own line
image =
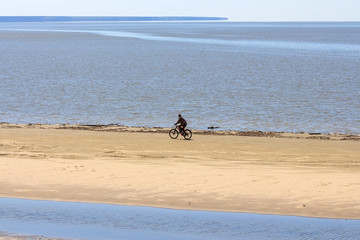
<point x="299" y="174"/>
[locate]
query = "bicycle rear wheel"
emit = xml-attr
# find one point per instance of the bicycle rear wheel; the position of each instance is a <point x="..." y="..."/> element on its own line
<point x="187" y="134"/>
<point x="173" y="133"/>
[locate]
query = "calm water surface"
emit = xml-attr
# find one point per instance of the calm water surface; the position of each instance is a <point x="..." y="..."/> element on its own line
<point x="114" y="222"/>
<point x="243" y="76"/>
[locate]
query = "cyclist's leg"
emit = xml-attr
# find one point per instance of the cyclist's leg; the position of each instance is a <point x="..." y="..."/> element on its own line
<point x="184" y="127"/>
<point x="181" y="128"/>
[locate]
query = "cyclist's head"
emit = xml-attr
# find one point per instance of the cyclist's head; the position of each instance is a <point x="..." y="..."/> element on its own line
<point x="179" y="115"/>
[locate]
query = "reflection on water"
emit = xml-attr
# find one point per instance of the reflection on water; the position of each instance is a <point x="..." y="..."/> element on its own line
<point x="105" y="221"/>
<point x="354" y="49"/>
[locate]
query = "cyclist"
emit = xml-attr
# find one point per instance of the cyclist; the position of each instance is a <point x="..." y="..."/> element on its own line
<point x="182" y="123"/>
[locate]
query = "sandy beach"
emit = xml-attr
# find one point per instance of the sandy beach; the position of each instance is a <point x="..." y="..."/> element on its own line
<point x="280" y="173"/>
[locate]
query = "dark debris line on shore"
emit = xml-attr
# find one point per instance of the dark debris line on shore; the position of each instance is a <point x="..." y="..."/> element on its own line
<point x="25" y="237"/>
<point x="122" y="128"/>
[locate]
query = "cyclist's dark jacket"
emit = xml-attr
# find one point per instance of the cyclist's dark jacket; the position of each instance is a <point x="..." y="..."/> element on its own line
<point x="182" y="121"/>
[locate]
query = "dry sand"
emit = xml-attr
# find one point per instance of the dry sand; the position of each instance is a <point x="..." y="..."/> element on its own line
<point x="287" y="174"/>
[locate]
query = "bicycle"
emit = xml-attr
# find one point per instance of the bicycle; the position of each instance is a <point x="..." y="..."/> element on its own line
<point x="174" y="133"/>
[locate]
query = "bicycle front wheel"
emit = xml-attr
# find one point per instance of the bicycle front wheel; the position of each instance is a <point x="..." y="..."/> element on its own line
<point x="173" y="133"/>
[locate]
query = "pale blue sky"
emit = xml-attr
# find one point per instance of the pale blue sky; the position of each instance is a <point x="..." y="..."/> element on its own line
<point x="236" y="10"/>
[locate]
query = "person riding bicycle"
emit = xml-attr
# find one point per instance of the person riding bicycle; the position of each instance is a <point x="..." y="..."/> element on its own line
<point x="182" y="123"/>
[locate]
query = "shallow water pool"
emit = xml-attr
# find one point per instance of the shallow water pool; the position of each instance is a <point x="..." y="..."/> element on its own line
<point x="107" y="222"/>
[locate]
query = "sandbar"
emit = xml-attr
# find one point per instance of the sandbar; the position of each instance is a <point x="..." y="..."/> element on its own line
<point x="288" y="174"/>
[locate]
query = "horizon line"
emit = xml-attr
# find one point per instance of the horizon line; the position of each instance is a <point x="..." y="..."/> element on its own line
<point x="105" y="18"/>
<point x="182" y="17"/>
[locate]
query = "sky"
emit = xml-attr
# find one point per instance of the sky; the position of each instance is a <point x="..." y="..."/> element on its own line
<point x="235" y="10"/>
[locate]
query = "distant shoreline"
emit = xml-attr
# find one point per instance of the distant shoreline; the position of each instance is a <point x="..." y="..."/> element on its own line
<point x="99" y="18"/>
<point x="210" y="131"/>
